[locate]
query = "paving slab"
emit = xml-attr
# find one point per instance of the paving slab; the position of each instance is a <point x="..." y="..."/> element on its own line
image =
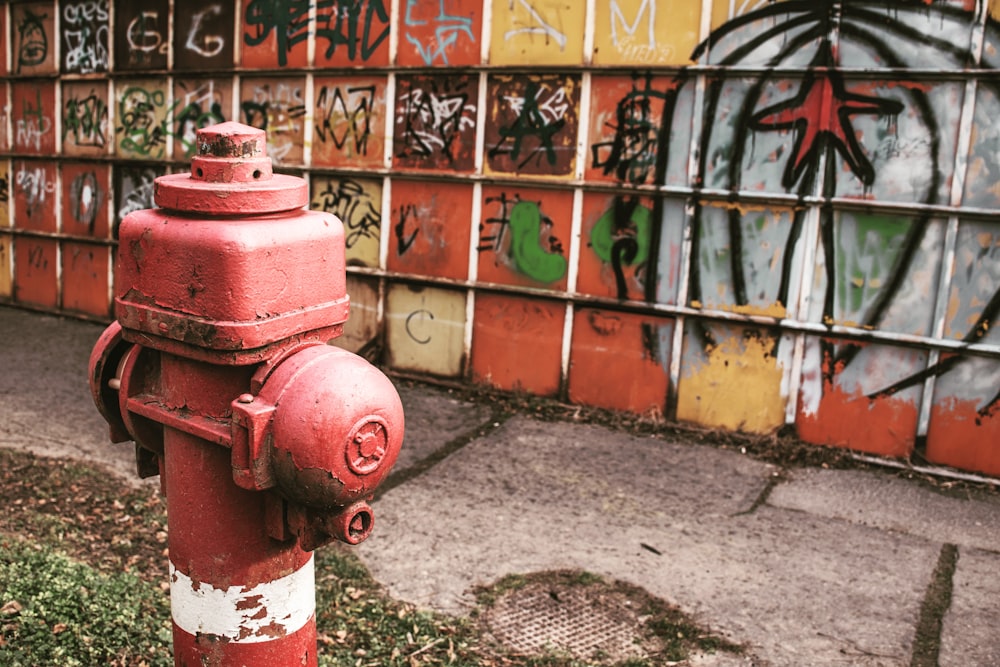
<point x="672" y="518"/>
<point x="890" y="503"/>
<point x="435" y="419"/>
<point x="970" y="633"/>
<point x="505" y="502"/>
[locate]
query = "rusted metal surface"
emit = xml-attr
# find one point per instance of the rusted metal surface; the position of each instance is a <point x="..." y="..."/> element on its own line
<point x="269" y="442"/>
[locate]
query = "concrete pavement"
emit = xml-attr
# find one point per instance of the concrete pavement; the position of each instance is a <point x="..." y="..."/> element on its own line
<point x="804" y="566"/>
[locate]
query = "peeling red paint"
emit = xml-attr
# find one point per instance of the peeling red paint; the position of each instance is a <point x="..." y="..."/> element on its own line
<point x="882" y="426"/>
<point x="961" y="437"/>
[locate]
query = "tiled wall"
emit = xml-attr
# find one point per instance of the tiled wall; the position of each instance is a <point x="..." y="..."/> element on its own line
<point x="743" y="215"/>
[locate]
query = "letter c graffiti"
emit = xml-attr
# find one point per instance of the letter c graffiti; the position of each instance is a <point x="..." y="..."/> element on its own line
<point x="409" y="331"/>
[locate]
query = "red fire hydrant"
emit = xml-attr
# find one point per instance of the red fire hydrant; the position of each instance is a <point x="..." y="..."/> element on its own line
<point x="267" y="440"/>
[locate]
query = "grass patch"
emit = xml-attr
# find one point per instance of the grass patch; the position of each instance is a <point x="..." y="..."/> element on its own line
<point x="83" y="572"/>
<point x="56" y="611"/>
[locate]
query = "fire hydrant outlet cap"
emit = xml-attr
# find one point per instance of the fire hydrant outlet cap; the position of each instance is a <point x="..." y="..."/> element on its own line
<point x="337" y="428"/>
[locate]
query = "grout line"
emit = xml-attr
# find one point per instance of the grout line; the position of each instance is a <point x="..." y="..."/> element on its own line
<point x="399" y="477"/>
<point x="776" y="478"/>
<point x="937" y="600"/>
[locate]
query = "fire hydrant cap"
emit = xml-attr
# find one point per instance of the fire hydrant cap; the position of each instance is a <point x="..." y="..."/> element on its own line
<point x="338" y="427"/>
<point x="231" y="175"/>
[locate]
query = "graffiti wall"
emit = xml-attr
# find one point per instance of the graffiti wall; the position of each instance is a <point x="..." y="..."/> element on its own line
<point x="744" y="215"/>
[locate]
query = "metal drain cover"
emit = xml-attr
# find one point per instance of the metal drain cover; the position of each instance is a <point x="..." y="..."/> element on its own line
<point x="585" y="622"/>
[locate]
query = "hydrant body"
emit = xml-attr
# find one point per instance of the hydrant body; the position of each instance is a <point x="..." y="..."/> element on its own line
<point x="268" y="441"/>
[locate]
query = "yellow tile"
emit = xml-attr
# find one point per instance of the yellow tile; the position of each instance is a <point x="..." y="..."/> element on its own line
<point x="644" y="32"/>
<point x="737" y="388"/>
<point x="425" y="329"/>
<point x="537" y="32"/>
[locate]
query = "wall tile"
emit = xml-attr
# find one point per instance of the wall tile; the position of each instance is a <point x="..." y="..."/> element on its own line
<point x="35" y="271"/>
<point x="197" y="103"/>
<point x="86" y="125"/>
<point x="274" y="36"/>
<point x="645" y="32"/>
<point x="444" y="33"/>
<point x="523" y="236"/>
<point x="142" y="119"/>
<point x="203" y="36"/>
<point x="851" y="396"/>
<point x="435" y="122"/>
<point x="33" y="116"/>
<point x="6" y="266"/>
<point x="517" y="342"/>
<point x="86" y="188"/>
<point x="85" y="272"/>
<point x="531" y="124"/>
<point x="526" y="32"/>
<point x="142" y="35"/>
<point x="358" y="204"/>
<point x="430" y="228"/>
<point x="620" y="361"/>
<point x="33" y="38"/>
<point x="349" y="121"/>
<point x="84" y="28"/>
<point x="425" y="329"/>
<point x="35" y="195"/>
<point x="278" y="106"/>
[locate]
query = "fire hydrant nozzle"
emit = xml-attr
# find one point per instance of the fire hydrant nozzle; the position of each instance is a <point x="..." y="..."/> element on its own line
<point x="269" y="441"/>
<point x="231" y="154"/>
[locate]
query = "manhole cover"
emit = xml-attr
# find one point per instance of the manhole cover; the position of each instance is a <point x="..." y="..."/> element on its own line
<point x="585" y="622"/>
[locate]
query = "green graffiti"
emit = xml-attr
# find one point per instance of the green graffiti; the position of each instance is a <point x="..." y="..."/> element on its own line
<point x="604" y="235"/>
<point x="865" y="259"/>
<point x="529" y="256"/>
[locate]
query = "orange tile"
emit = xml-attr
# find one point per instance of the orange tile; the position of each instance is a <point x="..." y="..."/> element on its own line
<point x="516" y="343"/>
<point x="620" y="361"/>
<point x="440" y="34"/>
<point x="963" y="435"/>
<point x="33" y="117"/>
<point x="615" y="245"/>
<point x="86" y="187"/>
<point x="35" y="271"/>
<point x="274" y="39"/>
<point x="524" y="236"/>
<point x="832" y="412"/>
<point x="430" y="228"/>
<point x="35" y="195"/>
<point x="352" y="35"/>
<point x="626" y="116"/>
<point x="349" y="121"/>
<point x="6" y="263"/>
<point x="85" y="273"/>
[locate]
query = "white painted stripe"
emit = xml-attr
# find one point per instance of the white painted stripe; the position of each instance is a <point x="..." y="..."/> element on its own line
<point x="246" y="615"/>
